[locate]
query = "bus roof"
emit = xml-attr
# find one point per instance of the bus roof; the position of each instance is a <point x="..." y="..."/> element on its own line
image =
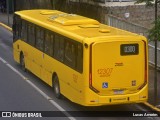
<point x="72" y="24"/>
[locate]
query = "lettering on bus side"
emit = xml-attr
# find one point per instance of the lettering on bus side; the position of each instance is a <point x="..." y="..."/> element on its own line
<point x="105" y="72"/>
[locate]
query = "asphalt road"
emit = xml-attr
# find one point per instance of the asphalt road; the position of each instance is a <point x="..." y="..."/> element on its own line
<point x="18" y="94"/>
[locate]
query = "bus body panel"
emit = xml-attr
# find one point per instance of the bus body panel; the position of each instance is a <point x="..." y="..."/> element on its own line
<point x="113" y="73"/>
<point x="46" y="66"/>
<point x="94" y="99"/>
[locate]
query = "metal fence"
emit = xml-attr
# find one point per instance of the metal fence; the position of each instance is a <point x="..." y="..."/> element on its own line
<point x="122" y="24"/>
<point x="152" y="55"/>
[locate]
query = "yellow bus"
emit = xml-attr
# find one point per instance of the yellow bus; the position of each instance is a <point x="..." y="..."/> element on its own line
<point x="89" y="63"/>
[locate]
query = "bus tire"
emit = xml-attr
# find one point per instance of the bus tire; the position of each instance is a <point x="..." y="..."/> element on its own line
<point x="56" y="87"/>
<point x="22" y="62"/>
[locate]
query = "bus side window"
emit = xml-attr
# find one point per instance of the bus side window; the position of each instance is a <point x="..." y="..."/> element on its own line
<point x="31" y="34"/>
<point x="59" y="48"/>
<point x="48" y="48"/>
<point x="16" y="27"/>
<point x="70" y="54"/>
<point x="80" y="57"/>
<point x="39" y="38"/>
<point x="24" y="31"/>
<point x="52" y="45"/>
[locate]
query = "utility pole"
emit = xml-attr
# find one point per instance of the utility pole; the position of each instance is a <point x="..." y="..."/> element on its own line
<point x="8" y="11"/>
<point x="155" y="74"/>
<point x="13" y="6"/>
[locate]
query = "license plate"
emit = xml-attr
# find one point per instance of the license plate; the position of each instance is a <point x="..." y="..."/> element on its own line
<point x="117" y="92"/>
<point x="129" y="49"/>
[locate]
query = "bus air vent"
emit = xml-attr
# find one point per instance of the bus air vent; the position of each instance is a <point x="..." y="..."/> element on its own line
<point x="50" y="12"/>
<point x="104" y="30"/>
<point x="72" y="19"/>
<point x="89" y="26"/>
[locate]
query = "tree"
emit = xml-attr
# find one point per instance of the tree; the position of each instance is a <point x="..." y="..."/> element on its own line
<point x="154" y="33"/>
<point x="148" y="2"/>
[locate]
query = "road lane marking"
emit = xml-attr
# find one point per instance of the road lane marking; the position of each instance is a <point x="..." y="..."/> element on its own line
<point x="51" y="100"/>
<point x="12" y="68"/>
<point x="152" y="107"/>
<point x="62" y="110"/>
<point x="3" y="60"/>
<point x="16" y="71"/>
<point x="38" y="90"/>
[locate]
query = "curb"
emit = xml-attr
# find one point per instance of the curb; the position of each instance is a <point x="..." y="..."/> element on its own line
<point x="5" y="26"/>
<point x="145" y="103"/>
<point x="152" y="107"/>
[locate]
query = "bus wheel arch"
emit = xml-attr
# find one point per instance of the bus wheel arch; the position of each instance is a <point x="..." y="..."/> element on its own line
<point x="22" y="61"/>
<point x="56" y="85"/>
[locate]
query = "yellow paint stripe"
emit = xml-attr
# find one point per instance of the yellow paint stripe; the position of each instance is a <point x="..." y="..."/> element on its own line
<point x="5" y="26"/>
<point x="152" y="107"/>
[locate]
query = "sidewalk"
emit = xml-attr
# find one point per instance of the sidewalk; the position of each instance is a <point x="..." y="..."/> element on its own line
<point x="151" y="87"/>
<point x="151" y="100"/>
<point x="4" y="19"/>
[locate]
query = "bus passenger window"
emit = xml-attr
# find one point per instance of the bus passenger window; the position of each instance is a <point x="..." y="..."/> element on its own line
<point x="16" y="27"/>
<point x="48" y="48"/>
<point x="24" y="31"/>
<point x="52" y="45"/>
<point x="31" y="34"/>
<point x="56" y="47"/>
<point x="80" y="58"/>
<point x="39" y="38"/>
<point x="47" y="43"/>
<point x="59" y="48"/>
<point x="70" y="54"/>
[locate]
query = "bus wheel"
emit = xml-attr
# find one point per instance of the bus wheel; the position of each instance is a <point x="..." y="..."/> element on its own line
<point x="22" y="62"/>
<point x="56" y="87"/>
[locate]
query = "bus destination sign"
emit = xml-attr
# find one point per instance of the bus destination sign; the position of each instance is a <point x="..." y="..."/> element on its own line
<point x="129" y="49"/>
